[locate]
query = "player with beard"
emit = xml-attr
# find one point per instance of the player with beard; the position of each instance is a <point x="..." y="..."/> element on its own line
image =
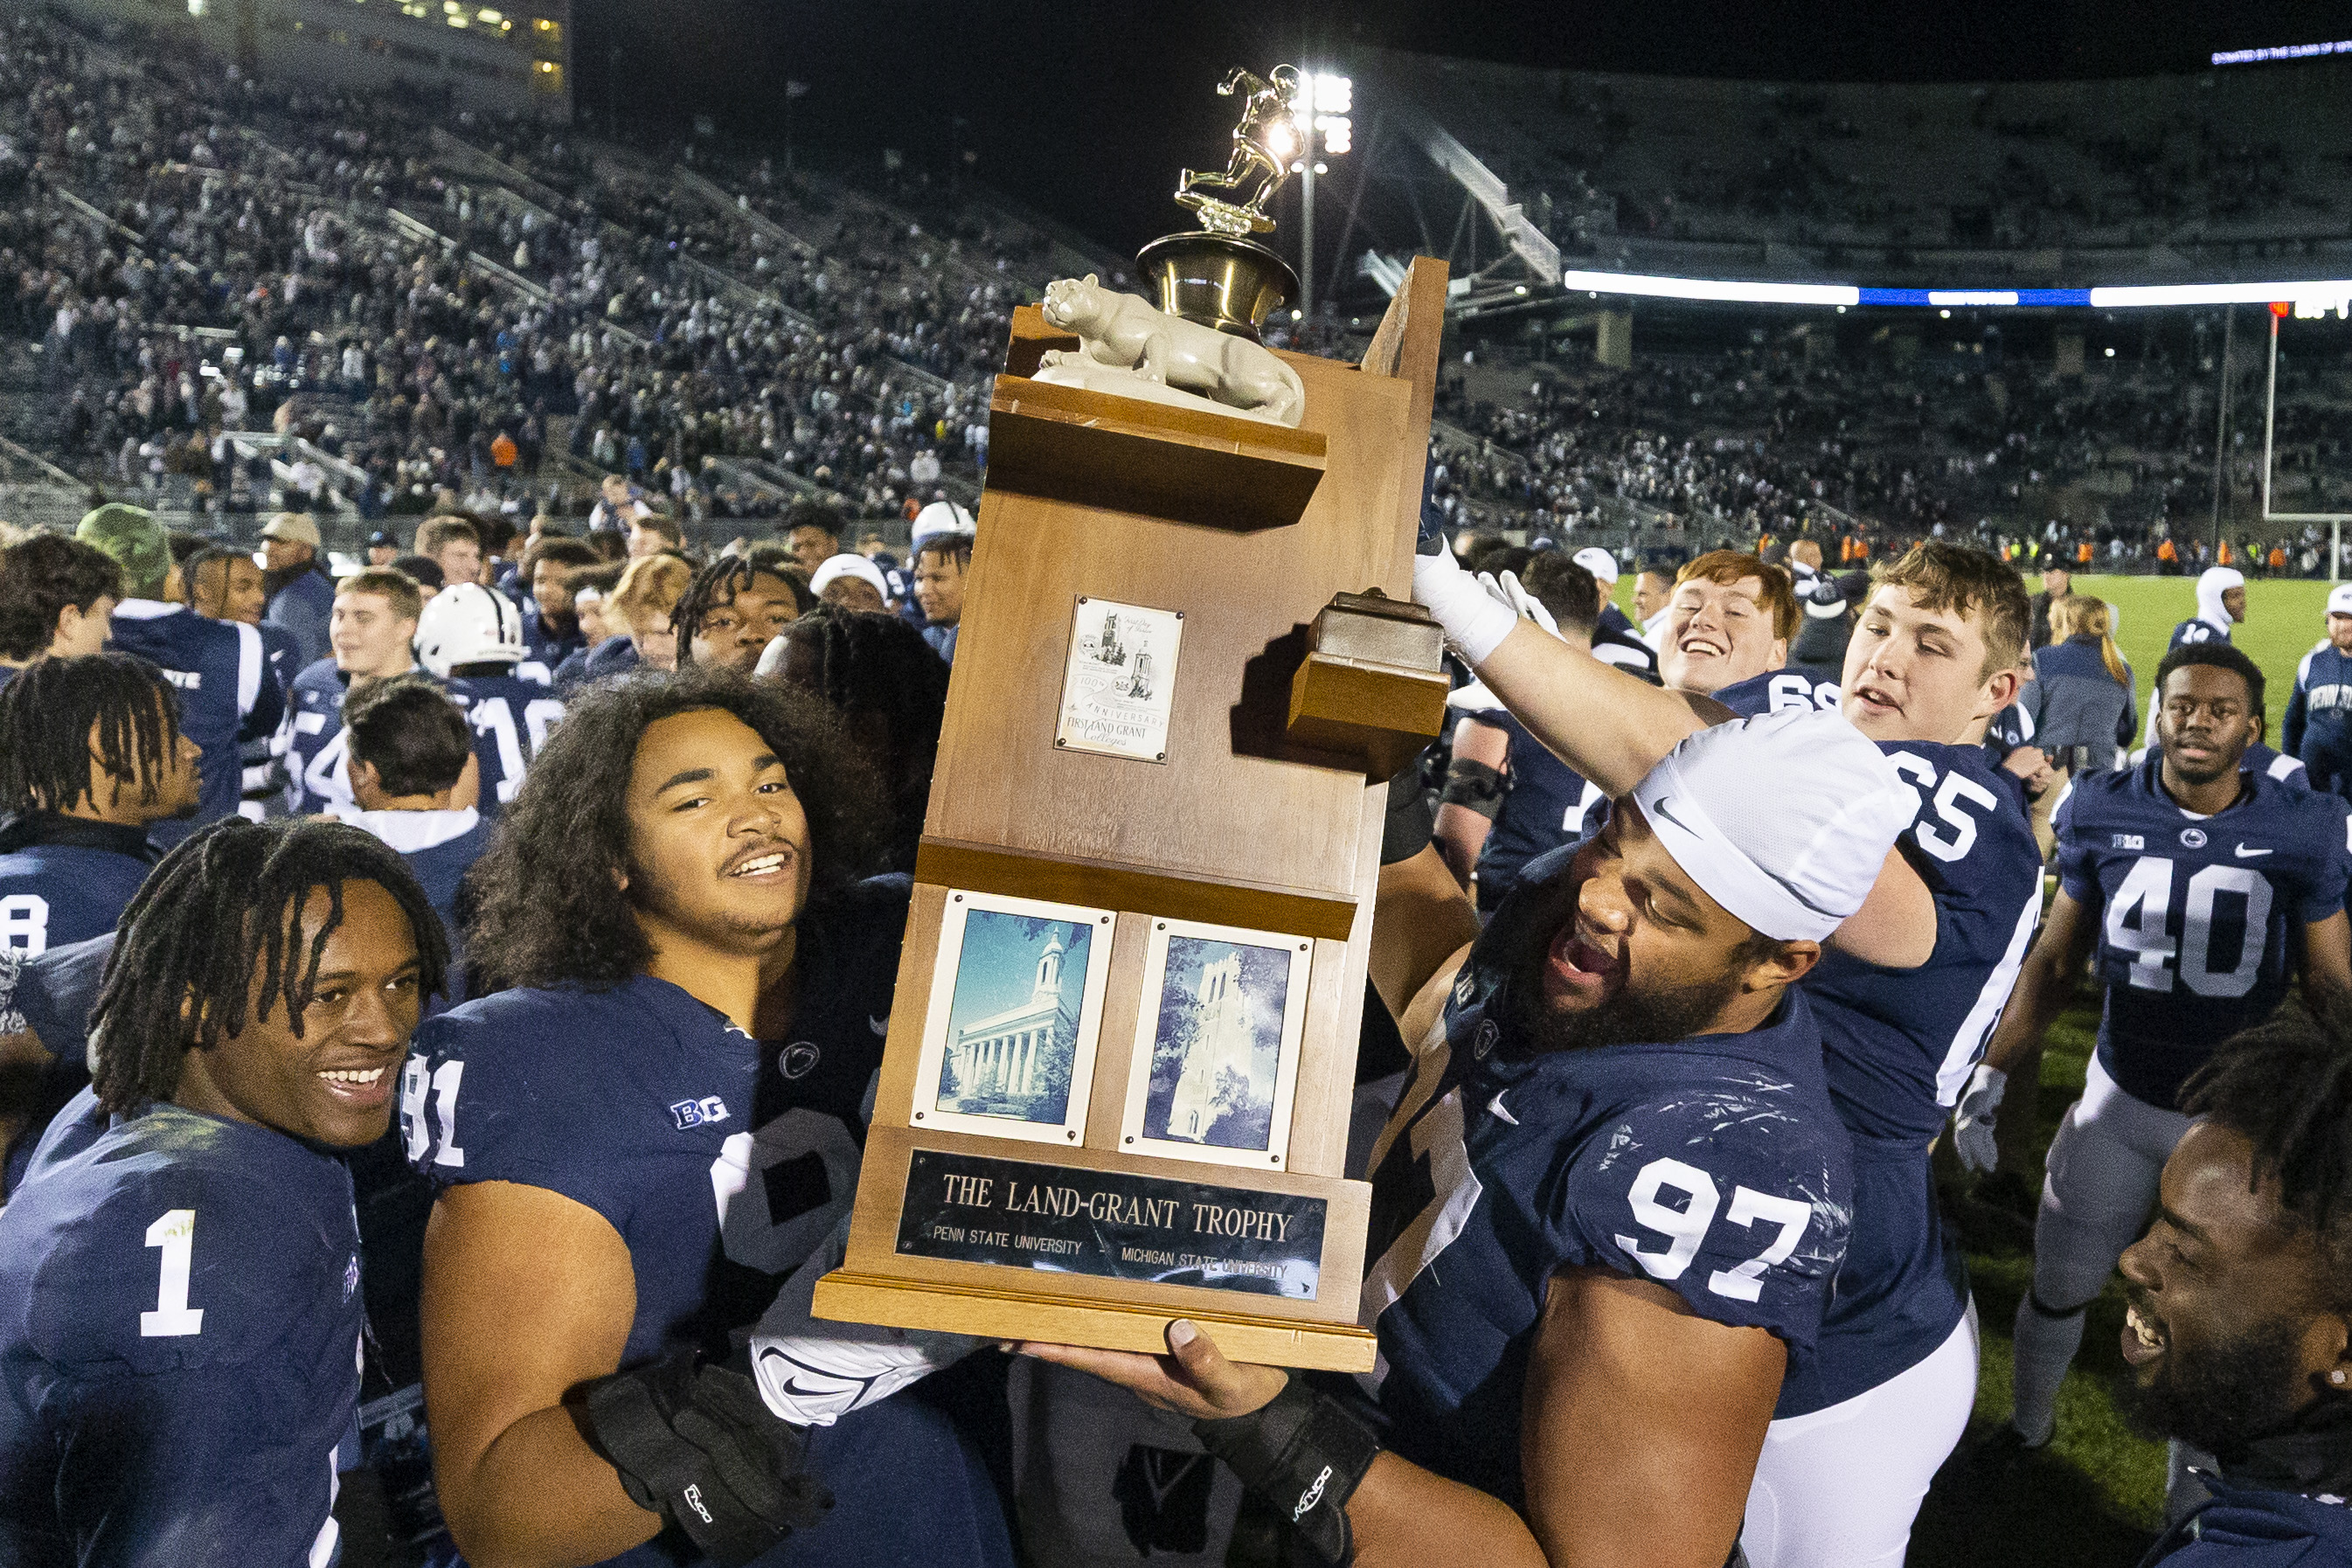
<point x="1904" y="996"/>
<point x="181" y="1319"/>
<point x="657" y="1124"/>
<point x="2239" y="1334"/>
<point x="1608" y="1209"/>
<point x="2198" y="883"/>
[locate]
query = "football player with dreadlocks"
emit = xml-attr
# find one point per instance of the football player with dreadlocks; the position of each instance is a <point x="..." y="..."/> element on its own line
<point x="2238" y="1340"/>
<point x="891" y="692"/>
<point x="180" y="1308"/>
<point x="732" y="610"/>
<point x="90" y="755"/>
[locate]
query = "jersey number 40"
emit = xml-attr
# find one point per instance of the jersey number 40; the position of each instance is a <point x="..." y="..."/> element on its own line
<point x="2139" y="924"/>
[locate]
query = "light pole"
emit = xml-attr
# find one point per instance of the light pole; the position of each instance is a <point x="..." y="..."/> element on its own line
<point x="1323" y="109"/>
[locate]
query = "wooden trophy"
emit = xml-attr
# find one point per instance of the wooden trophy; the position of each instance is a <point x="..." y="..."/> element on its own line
<point x="1120" y="1062"/>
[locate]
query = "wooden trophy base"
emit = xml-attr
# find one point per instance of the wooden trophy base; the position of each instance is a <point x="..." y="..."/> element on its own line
<point x="992" y="1313"/>
<point x="955" y="1218"/>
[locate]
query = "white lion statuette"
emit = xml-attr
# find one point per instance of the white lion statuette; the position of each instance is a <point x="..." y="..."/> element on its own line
<point x="1131" y="349"/>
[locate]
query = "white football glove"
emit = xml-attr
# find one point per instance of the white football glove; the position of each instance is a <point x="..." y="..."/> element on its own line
<point x="1475" y="621"/>
<point x="1972" y="1123"/>
<point x="1508" y="593"/>
<point x="813" y="1371"/>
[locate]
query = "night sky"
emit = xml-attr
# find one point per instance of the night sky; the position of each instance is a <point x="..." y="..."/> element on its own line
<point x="1087" y="108"/>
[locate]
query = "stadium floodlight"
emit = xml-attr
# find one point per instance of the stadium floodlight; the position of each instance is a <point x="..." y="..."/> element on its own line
<point x="1323" y="108"/>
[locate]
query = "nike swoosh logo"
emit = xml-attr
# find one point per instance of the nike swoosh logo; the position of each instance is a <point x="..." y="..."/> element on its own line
<point x="2246" y="854"/>
<point x="1494" y="1108"/>
<point x="1785" y="884"/>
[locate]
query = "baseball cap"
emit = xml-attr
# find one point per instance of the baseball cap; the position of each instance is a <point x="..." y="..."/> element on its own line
<point x="379" y="538"/>
<point x="1598" y="561"/>
<point x="1823" y="598"/>
<point x="292" y="528"/>
<point x="1793" y="860"/>
<point x="2339" y="599"/>
<point x="135" y="539"/>
<point x="834" y="568"/>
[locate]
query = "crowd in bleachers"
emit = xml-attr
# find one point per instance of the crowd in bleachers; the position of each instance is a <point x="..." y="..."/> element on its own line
<point x="2238" y="165"/>
<point x="1763" y="440"/>
<point x="227" y="257"/>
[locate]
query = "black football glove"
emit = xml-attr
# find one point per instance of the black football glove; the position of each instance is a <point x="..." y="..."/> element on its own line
<point x="696" y="1445"/>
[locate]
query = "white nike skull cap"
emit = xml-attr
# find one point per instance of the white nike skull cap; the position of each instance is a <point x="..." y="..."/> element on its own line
<point x="1785" y="819"/>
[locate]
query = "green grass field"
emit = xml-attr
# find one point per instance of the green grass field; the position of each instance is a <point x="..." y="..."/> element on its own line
<point x="2284" y="618"/>
<point x="2094" y="1499"/>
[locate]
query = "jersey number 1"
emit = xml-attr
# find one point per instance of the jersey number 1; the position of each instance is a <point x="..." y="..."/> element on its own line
<point x="175" y="1232"/>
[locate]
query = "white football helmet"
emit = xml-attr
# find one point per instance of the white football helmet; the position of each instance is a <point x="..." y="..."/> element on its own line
<point x="469" y="624"/>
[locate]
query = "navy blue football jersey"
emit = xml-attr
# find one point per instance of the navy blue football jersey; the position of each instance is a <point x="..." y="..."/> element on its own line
<point x="512" y="716"/>
<point x="2195" y="630"/>
<point x="722" y="1161"/>
<point x="2318" y="727"/>
<point x="2197" y="914"/>
<point x="543" y="646"/>
<point x="1546" y="804"/>
<point x="1900" y="1045"/>
<point x="53" y="894"/>
<point x="317" y="779"/>
<point x="1714" y="1166"/>
<point x="180" y="1335"/>
<point x="221" y="672"/>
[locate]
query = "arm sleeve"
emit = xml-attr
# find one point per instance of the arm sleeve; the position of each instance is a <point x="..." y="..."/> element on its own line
<point x="2128" y="724"/>
<point x="1723" y="1196"/>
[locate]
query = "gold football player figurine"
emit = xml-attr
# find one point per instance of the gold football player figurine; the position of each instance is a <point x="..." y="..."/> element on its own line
<point x="1267" y="144"/>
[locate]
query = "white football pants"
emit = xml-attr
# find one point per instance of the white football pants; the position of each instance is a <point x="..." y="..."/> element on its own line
<point x="2099" y="1189"/>
<point x="1839" y="1487"/>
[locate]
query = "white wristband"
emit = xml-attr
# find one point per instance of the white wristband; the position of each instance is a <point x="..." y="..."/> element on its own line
<point x="1474" y="622"/>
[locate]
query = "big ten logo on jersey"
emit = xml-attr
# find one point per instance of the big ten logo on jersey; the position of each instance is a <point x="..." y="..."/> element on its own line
<point x="495" y="717"/>
<point x="2142" y="922"/>
<point x="25" y="924"/>
<point x="1955" y="800"/>
<point x="781" y="1189"/>
<point x="698" y="1112"/>
<point x="1790" y="691"/>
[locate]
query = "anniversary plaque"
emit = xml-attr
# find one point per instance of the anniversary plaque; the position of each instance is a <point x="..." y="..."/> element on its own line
<point x="1025" y="1215"/>
<point x="1121" y="1055"/>
<point x="1119" y="680"/>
